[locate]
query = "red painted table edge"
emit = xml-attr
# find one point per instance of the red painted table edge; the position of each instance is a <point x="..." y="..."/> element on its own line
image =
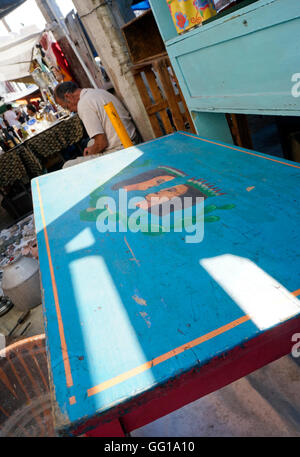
<point x="219" y="372"/>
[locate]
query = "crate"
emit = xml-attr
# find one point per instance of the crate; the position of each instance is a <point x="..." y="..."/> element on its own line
<point x="143" y="38"/>
<point x="162" y="97"/>
<point x="155" y="78"/>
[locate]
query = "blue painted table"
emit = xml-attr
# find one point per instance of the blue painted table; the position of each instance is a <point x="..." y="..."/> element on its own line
<point x="139" y="323"/>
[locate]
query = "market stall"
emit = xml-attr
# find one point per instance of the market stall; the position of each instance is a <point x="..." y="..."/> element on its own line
<point x="56" y="138"/>
<point x="16" y="55"/>
<point x="30" y="158"/>
<point x="37" y="143"/>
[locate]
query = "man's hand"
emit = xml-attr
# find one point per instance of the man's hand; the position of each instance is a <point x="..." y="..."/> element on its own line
<point x="100" y="144"/>
<point x="89" y="151"/>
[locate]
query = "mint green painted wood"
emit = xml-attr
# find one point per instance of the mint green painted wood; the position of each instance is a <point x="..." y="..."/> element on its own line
<point x="245" y="62"/>
<point x="213" y="126"/>
<point x="163" y="18"/>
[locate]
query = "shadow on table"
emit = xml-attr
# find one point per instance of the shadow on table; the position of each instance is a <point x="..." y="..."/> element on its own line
<point x="118" y="303"/>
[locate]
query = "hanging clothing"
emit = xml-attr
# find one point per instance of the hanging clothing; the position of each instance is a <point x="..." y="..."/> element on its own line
<point x="56" y="57"/>
<point x="62" y="62"/>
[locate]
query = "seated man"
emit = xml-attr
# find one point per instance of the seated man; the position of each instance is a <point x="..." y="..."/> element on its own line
<point x="89" y="103"/>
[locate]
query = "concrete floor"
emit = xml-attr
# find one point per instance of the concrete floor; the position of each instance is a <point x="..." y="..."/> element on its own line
<point x="264" y="404"/>
<point x="9" y="320"/>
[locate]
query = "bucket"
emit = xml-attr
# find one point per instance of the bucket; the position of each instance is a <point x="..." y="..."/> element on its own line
<point x="21" y="282"/>
<point x="25" y="397"/>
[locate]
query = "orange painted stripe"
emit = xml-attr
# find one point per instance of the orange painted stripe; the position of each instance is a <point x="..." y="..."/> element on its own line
<point x="240" y="150"/>
<point x="168" y="355"/>
<point x="132" y="253"/>
<point x="55" y="294"/>
<point x="296" y="293"/>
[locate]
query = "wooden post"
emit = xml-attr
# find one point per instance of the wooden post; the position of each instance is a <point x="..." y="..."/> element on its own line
<point x="6" y="25"/>
<point x="83" y="48"/>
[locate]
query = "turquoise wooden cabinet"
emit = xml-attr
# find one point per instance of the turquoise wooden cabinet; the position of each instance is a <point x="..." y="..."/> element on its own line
<point x="245" y="62"/>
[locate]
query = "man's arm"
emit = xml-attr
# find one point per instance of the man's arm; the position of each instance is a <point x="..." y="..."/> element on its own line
<point x="99" y="145"/>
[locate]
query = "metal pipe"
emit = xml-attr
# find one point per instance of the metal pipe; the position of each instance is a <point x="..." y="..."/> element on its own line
<point x="118" y="125"/>
<point x="6" y="25"/>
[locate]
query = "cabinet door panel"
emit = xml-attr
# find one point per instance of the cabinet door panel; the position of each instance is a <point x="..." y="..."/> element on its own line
<point x="244" y="63"/>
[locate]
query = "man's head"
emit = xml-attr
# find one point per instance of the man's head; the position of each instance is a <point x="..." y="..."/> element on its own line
<point x="67" y="95"/>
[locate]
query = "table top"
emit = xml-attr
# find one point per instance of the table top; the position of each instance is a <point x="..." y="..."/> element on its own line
<point x="23" y="162"/>
<point x="18" y="164"/>
<point x="47" y="126"/>
<point x="127" y="312"/>
<point x="70" y="122"/>
<point x="58" y="136"/>
<point x="12" y="169"/>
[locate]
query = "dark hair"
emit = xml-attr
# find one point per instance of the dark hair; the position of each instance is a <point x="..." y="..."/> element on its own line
<point x="32" y="108"/>
<point x="8" y="107"/>
<point x="62" y="89"/>
<point x="141" y="178"/>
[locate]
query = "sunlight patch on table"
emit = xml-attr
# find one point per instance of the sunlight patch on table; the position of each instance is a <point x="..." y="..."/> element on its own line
<point x="85" y="239"/>
<point x="259" y="295"/>
<point x="112" y="325"/>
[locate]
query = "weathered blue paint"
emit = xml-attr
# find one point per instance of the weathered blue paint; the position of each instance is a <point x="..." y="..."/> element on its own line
<point x="245" y="62"/>
<point x="128" y="298"/>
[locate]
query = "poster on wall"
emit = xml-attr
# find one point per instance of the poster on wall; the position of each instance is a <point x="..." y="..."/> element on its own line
<point x="190" y="13"/>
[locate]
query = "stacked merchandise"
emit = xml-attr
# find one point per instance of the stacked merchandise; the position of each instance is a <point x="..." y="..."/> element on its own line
<point x="18" y="239"/>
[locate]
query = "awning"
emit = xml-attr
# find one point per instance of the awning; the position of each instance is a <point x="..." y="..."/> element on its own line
<point x="7" y="6"/>
<point x="15" y="57"/>
<point x="2" y="108"/>
<point x="13" y="96"/>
